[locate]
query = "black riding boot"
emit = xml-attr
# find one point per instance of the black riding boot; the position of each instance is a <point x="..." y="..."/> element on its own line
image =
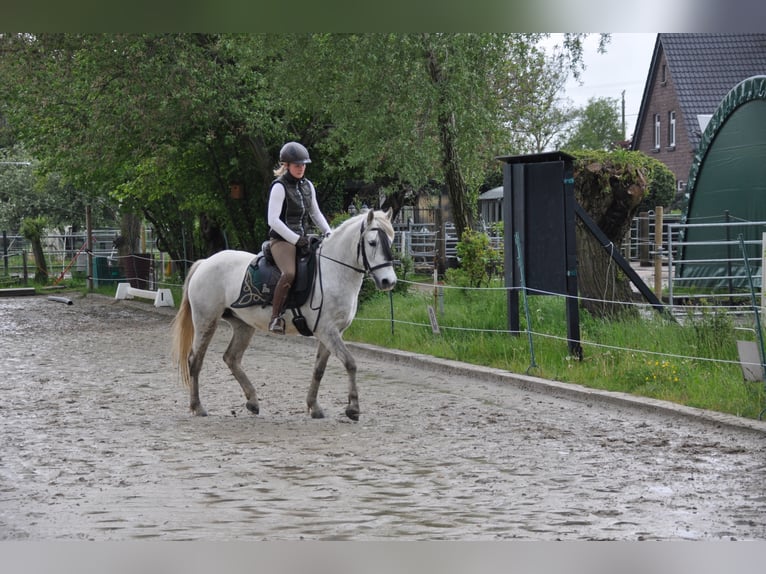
<point x="277" y="323"/>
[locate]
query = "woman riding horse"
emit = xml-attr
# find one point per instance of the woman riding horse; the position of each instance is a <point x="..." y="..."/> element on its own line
<point x="292" y="199"/>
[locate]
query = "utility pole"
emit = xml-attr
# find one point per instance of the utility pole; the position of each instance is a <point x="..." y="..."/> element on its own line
<point x="623" y="115"/>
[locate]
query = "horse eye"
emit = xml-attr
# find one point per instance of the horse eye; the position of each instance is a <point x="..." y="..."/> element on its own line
<point x="374" y="243"/>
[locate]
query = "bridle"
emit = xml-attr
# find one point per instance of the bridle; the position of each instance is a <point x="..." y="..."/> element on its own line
<point x="385" y="244"/>
<point x="383" y="241"/>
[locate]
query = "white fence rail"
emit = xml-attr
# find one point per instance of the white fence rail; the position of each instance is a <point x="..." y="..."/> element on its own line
<point x="725" y="277"/>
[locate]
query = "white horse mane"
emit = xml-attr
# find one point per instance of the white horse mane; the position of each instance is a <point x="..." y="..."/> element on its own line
<point x="380" y="217"/>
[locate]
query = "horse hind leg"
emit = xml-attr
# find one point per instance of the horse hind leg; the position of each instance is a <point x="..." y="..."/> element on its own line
<point x="240" y="340"/>
<point x="202" y="338"/>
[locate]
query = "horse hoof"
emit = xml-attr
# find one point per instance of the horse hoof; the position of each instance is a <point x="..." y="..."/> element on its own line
<point x="352" y="414"/>
<point x="253" y="408"/>
<point x="317" y="414"/>
<point x="199" y="412"/>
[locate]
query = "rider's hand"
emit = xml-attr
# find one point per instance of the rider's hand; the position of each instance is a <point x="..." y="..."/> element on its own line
<point x="302" y="242"/>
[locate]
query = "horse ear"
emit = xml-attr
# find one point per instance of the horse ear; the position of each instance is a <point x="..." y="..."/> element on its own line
<point x="389" y="213"/>
<point x="370" y="216"/>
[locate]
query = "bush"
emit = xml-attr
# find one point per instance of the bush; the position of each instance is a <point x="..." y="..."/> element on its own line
<point x="477" y="258"/>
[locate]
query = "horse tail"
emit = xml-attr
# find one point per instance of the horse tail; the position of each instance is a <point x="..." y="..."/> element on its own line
<point x="182" y="332"/>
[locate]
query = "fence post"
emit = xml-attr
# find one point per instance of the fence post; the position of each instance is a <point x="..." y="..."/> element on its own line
<point x="728" y="256"/>
<point x="89" y="241"/>
<point x="643" y="238"/>
<point x="670" y="264"/>
<point x="5" y="252"/>
<point x="658" y="213"/>
<point x="24" y="265"/>
<point x="763" y="269"/>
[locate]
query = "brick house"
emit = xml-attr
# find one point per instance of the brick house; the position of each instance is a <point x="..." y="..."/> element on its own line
<point x="688" y="77"/>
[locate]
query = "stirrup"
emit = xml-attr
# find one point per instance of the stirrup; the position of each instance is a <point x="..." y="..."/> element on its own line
<point x="277" y="325"/>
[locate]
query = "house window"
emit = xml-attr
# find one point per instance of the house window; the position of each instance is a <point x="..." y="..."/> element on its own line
<point x="664" y="75"/>
<point x="657" y="132"/>
<point x="671" y="129"/>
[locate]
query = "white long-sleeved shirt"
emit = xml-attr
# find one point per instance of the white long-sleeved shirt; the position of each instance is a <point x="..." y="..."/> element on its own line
<point x="277" y="200"/>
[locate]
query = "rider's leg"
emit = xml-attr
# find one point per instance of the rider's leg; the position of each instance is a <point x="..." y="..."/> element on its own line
<point x="284" y="256"/>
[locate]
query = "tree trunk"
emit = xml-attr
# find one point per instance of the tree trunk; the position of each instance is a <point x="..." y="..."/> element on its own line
<point x="461" y="211"/>
<point x="453" y="177"/>
<point x="130" y="234"/>
<point x="212" y="235"/>
<point x="603" y="287"/>
<point x="41" y="265"/>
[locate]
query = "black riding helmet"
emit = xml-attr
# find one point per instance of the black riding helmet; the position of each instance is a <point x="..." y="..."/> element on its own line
<point x="293" y="152"/>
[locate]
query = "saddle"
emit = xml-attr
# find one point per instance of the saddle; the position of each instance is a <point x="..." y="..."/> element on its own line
<point x="262" y="275"/>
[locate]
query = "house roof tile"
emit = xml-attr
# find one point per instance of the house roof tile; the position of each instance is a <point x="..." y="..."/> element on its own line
<point x="704" y="67"/>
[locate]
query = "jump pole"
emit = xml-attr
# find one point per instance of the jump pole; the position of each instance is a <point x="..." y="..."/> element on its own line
<point x="162" y="297"/>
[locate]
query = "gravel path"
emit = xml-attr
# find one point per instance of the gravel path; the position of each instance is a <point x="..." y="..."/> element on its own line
<point x="98" y="444"/>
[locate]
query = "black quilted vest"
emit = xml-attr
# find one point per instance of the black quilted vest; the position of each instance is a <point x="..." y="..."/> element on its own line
<point x="297" y="206"/>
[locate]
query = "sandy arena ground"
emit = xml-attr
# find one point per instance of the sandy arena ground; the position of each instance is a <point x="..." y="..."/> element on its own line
<point x="98" y="445"/>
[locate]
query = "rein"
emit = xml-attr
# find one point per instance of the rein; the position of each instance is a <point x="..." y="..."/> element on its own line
<point x="386" y="245"/>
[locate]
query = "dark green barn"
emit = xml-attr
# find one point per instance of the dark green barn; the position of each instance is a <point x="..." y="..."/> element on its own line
<point x="727" y="183"/>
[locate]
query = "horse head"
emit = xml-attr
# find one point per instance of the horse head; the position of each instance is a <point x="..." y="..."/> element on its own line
<point x="373" y="234"/>
<point x="375" y="247"/>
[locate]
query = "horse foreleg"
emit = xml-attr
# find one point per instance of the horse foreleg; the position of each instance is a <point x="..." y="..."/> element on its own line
<point x="243" y="333"/>
<point x="352" y="408"/>
<point x="323" y="354"/>
<point x="337" y="347"/>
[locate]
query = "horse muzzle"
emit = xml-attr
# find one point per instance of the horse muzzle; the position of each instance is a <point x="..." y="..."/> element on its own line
<point x="385" y="282"/>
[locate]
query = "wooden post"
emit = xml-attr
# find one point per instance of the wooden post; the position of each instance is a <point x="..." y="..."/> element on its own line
<point x="658" y="213"/>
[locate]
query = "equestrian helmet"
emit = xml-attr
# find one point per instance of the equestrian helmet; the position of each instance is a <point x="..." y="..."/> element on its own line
<point x="293" y="152"/>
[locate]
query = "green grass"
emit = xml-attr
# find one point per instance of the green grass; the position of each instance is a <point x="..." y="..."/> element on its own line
<point x="648" y="356"/>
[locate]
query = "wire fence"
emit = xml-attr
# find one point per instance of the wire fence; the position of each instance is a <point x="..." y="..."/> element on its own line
<point x="744" y="320"/>
<point x="154" y="270"/>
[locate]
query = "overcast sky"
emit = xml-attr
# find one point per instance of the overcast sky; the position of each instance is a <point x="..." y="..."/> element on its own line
<point x="624" y="66"/>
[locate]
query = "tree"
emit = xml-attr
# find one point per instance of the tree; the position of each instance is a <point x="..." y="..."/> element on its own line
<point x="597" y="126"/>
<point x="33" y="230"/>
<point x="164" y="124"/>
<point x="16" y="182"/>
<point x="538" y="115"/>
<point x="156" y="122"/>
<point x="25" y="193"/>
<point x="407" y="109"/>
<point x="610" y="187"/>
